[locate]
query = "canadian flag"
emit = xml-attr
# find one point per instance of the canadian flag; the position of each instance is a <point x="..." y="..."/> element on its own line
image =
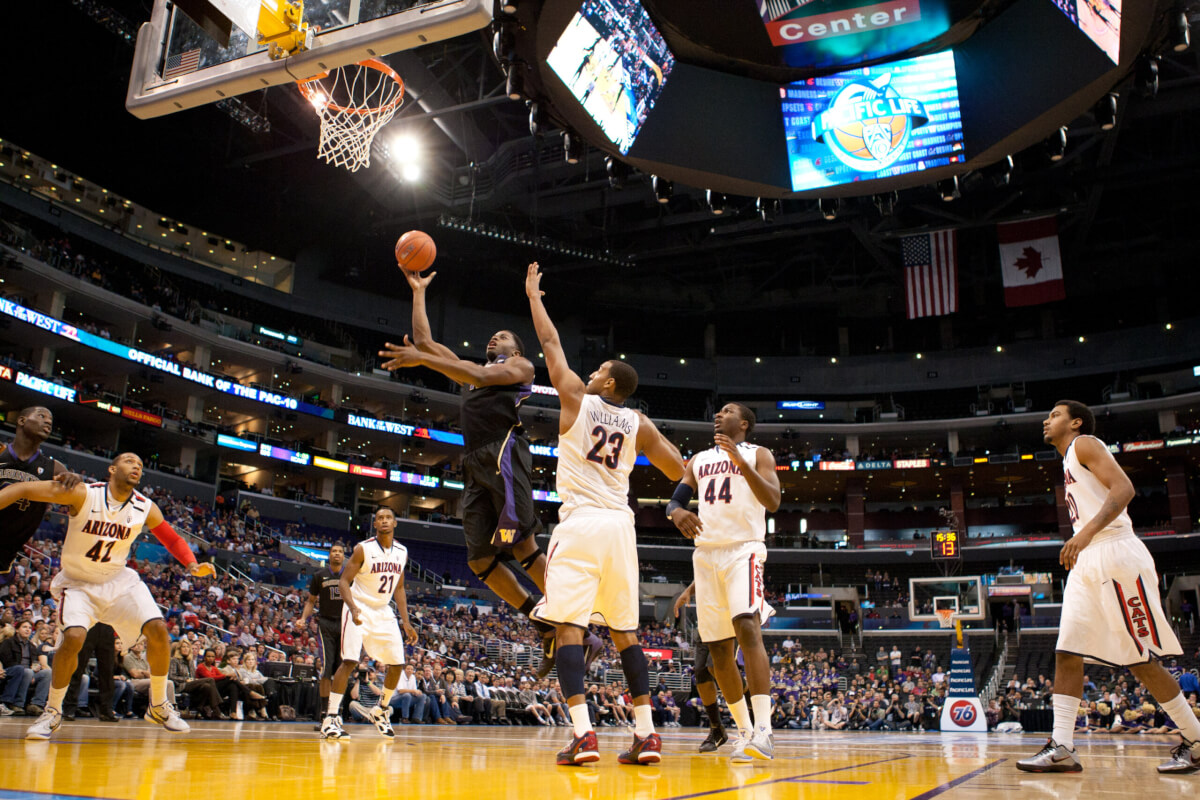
<point x="1030" y="262"/>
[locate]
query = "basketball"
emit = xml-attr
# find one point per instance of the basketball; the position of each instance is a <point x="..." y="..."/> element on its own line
<point x="415" y="251"/>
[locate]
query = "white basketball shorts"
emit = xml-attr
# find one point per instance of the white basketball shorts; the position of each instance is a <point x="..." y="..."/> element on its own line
<point x="123" y="602"/>
<point x="729" y="584"/>
<point x="592" y="567"/>
<point x="379" y="634"/>
<point x="1111" y="612"/>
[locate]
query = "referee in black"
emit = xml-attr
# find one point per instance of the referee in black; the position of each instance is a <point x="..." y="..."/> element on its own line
<point x="323" y="592"/>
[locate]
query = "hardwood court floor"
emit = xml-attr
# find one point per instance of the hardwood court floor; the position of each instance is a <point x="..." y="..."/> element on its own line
<point x="271" y="761"/>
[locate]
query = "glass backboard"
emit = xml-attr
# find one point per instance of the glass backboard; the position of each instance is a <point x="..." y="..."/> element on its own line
<point x="962" y="594"/>
<point x="178" y="65"/>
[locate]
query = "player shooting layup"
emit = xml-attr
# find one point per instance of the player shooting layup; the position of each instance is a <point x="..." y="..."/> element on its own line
<point x="94" y="585"/>
<point x="1111" y="612"/>
<point x="737" y="485"/>
<point x="592" y="565"/>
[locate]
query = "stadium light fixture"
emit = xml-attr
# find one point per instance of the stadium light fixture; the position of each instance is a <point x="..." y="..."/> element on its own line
<point x="829" y="207"/>
<point x="573" y="146"/>
<point x="716" y="202"/>
<point x="948" y="189"/>
<point x="1106" y="112"/>
<point x="663" y="188"/>
<point x="1056" y="144"/>
<point x="1181" y="32"/>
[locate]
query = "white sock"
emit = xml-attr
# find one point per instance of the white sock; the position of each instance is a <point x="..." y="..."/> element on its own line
<point x="580" y="719"/>
<point x="761" y="703"/>
<point x="741" y="716"/>
<point x="56" y="697"/>
<point x="158" y="690"/>
<point x="335" y="703"/>
<point x="1181" y="714"/>
<point x="1066" y="708"/>
<point x="643" y="720"/>
<point x="386" y="698"/>
<point x="238" y="711"/>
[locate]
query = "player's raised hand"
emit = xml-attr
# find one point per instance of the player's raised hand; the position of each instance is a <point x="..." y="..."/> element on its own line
<point x="202" y="569"/>
<point x="687" y="522"/>
<point x="416" y="282"/>
<point x="729" y="448"/>
<point x="69" y="480"/>
<point x="400" y="355"/>
<point x="410" y="633"/>
<point x="533" y="282"/>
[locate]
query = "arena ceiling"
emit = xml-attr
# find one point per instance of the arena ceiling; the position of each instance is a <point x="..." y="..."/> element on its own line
<point x="1123" y="197"/>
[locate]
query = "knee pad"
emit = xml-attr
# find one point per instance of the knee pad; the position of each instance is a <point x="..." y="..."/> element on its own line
<point x="530" y="559"/>
<point x="483" y="573"/>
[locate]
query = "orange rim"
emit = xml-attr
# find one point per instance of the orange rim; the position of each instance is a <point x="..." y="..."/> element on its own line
<point x="370" y="63"/>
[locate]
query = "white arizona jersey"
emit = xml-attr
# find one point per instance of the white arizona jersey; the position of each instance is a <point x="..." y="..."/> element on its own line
<point x="100" y="535"/>
<point x="728" y="510"/>
<point x="376" y="581"/>
<point x="1085" y="495"/>
<point x="596" y="456"/>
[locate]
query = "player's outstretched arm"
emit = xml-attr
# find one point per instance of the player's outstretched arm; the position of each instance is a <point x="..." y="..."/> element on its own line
<point x="348" y="574"/>
<point x="570" y="386"/>
<point x="422" y="336"/>
<point x="65" y="476"/>
<point x="45" y="492"/>
<point x="684" y="598"/>
<point x="662" y="454"/>
<point x="176" y="545"/>
<point x="517" y="369"/>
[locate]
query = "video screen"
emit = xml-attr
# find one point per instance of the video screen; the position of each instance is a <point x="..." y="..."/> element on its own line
<point x="1100" y="20"/>
<point x="873" y="122"/>
<point x="615" y="62"/>
<point x="823" y="33"/>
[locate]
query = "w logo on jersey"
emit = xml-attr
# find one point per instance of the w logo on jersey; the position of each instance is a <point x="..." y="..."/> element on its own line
<point x="962" y="713"/>
<point x="507" y="535"/>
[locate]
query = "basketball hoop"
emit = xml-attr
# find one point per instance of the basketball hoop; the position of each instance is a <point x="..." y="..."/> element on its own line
<point x="945" y="617"/>
<point x="354" y="103"/>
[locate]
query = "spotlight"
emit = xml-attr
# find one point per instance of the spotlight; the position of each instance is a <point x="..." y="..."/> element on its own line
<point x="515" y="85"/>
<point x="535" y="119"/>
<point x="829" y="207"/>
<point x="1146" y="77"/>
<point x="1181" y="32"/>
<point x="716" y="202"/>
<point x="572" y="147"/>
<point x="886" y="203"/>
<point x="663" y="188"/>
<point x="1000" y="172"/>
<point x="948" y="188"/>
<point x="768" y="209"/>
<point x="1106" y="112"/>
<point x="617" y="172"/>
<point x="504" y="44"/>
<point x="509" y="6"/>
<point x="1056" y="144"/>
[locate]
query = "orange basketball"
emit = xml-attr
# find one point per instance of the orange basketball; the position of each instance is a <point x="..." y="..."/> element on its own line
<point x="415" y="251"/>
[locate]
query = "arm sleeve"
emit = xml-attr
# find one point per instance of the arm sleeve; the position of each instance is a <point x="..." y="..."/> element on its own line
<point x="175" y="544"/>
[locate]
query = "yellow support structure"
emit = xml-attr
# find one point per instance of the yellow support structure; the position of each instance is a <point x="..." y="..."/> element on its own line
<point x="282" y="28"/>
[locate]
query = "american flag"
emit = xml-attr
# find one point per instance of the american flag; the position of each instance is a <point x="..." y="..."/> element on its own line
<point x="181" y="64"/>
<point x="931" y="273"/>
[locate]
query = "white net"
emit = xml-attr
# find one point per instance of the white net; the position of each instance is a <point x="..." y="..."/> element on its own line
<point x="945" y="617"/>
<point x="354" y="102"/>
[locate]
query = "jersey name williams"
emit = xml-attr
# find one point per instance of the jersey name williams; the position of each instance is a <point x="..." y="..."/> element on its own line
<point x="718" y="468"/>
<point x="385" y="566"/>
<point x="602" y="417"/>
<point x="106" y="530"/>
